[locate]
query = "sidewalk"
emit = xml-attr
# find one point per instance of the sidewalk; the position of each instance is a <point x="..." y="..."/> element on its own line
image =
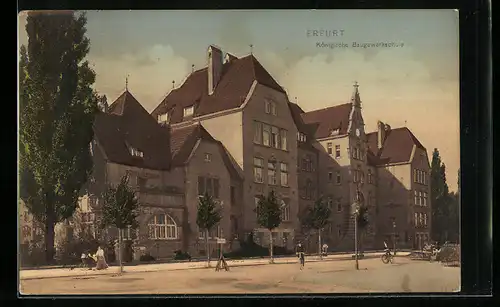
<point x="142" y="268"/>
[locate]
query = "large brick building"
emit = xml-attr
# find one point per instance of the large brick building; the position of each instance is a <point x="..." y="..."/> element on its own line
<point x="230" y="130"/>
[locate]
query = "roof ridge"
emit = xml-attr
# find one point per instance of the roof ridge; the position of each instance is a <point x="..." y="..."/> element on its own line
<point x="328" y="108"/>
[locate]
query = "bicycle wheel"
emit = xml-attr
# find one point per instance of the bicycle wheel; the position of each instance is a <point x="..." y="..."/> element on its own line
<point x="385" y="259"/>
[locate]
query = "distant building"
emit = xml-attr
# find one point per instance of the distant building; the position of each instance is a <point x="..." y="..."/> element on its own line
<point x="230" y="130"/>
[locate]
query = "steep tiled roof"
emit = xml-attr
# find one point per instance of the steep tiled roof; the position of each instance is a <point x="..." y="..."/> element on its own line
<point x="128" y="125"/>
<point x="183" y="140"/>
<point x="308" y="129"/>
<point x="329" y="119"/>
<point x="236" y="80"/>
<point x="396" y="148"/>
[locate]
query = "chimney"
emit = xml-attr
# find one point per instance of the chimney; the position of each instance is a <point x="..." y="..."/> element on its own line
<point x="229" y="58"/>
<point x="381" y="132"/>
<point x="214" y="68"/>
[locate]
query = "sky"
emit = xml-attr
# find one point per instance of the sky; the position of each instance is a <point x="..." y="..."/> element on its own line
<point x="413" y="82"/>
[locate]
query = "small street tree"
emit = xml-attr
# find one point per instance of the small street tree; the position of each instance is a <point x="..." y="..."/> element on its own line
<point x="120" y="209"/>
<point x="363" y="223"/>
<point x="208" y="216"/>
<point x="56" y="112"/>
<point x="317" y="217"/>
<point x="268" y="212"/>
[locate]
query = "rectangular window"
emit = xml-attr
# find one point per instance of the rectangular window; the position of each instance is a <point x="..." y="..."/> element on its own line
<point x="339" y="205"/>
<point x="339" y="230"/>
<point x="201" y="185"/>
<point x="308" y="163"/>
<point x="425" y="219"/>
<point x="285" y="212"/>
<point x="256" y="200"/>
<point x="370" y="179"/>
<point x="416" y="197"/>
<point x="271" y="173"/>
<point x="257" y="129"/>
<point x="208" y="157"/>
<point x="268" y="106"/>
<point x="258" y="165"/>
<point x="339" y="179"/>
<point x="275" y="137"/>
<point x="266" y="135"/>
<point x="209" y="186"/>
<point x="163" y="118"/>
<point x="284" y="143"/>
<point x="274" y="111"/>
<point x="425" y="198"/>
<point x="188" y="111"/>
<point x="414" y="175"/>
<point x="284" y="174"/>
<point x="420" y="202"/>
<point x="337" y="151"/>
<point x="329" y="148"/>
<point x="330" y="176"/>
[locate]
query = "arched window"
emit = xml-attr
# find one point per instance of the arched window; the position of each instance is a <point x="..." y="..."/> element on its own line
<point x="162" y="227"/>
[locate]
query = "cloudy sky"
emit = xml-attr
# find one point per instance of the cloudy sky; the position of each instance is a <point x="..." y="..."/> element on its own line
<point x="416" y="84"/>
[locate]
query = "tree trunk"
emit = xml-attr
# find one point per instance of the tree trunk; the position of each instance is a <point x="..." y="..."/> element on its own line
<point x="120" y="249"/>
<point x="271" y="260"/>
<point x="319" y="245"/>
<point x="49" y="241"/>
<point x="207" y="248"/>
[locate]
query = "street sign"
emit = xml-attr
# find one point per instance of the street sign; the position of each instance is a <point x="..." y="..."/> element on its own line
<point x="221" y="241"/>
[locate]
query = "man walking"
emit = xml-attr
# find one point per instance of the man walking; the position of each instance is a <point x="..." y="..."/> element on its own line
<point x="299" y="250"/>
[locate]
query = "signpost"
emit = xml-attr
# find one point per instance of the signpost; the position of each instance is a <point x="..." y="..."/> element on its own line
<point x="221" y="264"/>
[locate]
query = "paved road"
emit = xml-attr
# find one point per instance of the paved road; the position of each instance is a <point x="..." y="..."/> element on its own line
<point x="317" y="277"/>
<point x="66" y="272"/>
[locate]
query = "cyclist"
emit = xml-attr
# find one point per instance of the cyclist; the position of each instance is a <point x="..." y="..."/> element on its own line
<point x="300" y="254"/>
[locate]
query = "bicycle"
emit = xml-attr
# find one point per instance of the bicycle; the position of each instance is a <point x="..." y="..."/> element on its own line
<point x="387" y="257"/>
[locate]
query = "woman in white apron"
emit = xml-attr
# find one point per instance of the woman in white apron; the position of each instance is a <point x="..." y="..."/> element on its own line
<point x="101" y="260"/>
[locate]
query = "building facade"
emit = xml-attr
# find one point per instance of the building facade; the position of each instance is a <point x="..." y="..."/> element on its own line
<point x="230" y="130"/>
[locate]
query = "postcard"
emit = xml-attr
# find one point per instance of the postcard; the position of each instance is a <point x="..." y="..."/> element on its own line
<point x="217" y="152"/>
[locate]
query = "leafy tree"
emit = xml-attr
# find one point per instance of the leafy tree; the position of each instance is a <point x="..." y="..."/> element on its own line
<point x="207" y="217"/>
<point x="268" y="211"/>
<point x="120" y="209"/>
<point x="316" y="218"/>
<point x="363" y="222"/>
<point x="56" y="111"/>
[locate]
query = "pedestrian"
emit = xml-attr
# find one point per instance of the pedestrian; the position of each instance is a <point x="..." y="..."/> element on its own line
<point x="299" y="250"/>
<point x="101" y="260"/>
<point x="325" y="249"/>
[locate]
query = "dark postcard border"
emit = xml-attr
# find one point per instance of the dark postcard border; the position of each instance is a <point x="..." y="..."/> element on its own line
<point x="475" y="127"/>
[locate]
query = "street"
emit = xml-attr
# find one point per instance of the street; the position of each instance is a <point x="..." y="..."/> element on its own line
<point x="317" y="277"/>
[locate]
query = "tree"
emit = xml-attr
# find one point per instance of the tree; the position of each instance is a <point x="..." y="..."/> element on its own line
<point x="120" y="209"/>
<point x="441" y="200"/>
<point x="268" y="211"/>
<point x="316" y="218"/>
<point x="207" y="217"/>
<point x="363" y="222"/>
<point x="56" y="111"/>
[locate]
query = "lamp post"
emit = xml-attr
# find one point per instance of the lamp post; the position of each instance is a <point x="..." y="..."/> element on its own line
<point x="394" y="233"/>
<point x="355" y="211"/>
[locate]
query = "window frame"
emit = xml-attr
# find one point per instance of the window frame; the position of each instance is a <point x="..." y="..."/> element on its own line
<point x="186" y="114"/>
<point x="284" y="172"/>
<point x="271" y="173"/>
<point x="166" y="226"/>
